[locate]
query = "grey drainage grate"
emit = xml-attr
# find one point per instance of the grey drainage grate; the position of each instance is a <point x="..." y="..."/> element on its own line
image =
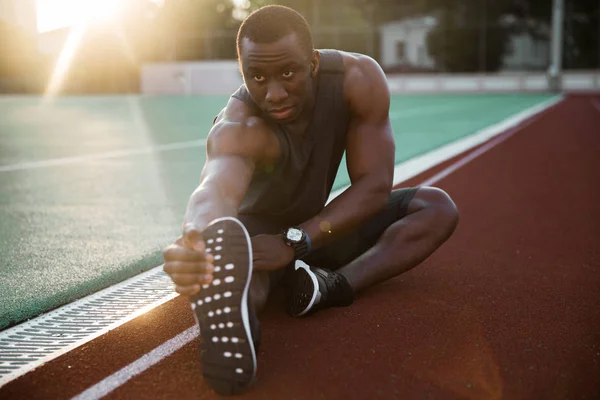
<point x="33" y="343"/>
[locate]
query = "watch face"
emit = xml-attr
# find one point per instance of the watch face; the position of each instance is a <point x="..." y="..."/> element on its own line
<point x="293" y="234"/>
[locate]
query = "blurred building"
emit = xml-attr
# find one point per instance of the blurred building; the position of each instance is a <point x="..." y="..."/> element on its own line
<point x="404" y="43"/>
<point x="22" y="14"/>
<point x="19" y="13"/>
<point x="403" y="46"/>
<point x="51" y="42"/>
<point x="529" y="49"/>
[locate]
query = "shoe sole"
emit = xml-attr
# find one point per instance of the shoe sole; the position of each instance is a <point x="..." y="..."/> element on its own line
<point x="227" y="348"/>
<point x="305" y="290"/>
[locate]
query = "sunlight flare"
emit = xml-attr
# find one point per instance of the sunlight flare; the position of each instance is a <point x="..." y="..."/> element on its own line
<point x="79" y="16"/>
<point x="64" y="60"/>
<point x="57" y="14"/>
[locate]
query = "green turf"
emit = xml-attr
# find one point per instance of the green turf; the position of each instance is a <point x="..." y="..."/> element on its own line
<point x="66" y="231"/>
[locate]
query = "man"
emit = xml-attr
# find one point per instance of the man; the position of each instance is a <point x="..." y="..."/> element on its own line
<point x="260" y="210"/>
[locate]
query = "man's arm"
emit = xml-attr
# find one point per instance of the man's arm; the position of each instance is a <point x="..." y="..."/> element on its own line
<point x="236" y="144"/>
<point x="370" y="154"/>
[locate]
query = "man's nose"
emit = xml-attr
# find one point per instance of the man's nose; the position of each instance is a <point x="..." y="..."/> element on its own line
<point x="276" y="93"/>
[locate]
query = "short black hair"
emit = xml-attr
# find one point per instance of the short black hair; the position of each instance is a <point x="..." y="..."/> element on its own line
<point x="270" y="23"/>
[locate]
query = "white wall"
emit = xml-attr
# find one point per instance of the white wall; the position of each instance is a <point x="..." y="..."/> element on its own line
<point x="414" y="34"/>
<point x="19" y="12"/>
<point x="223" y="77"/>
<point x="211" y="77"/>
<point x="52" y="42"/>
<point x="584" y="81"/>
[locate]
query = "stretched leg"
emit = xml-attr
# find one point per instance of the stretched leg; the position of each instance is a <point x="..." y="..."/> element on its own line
<point x="431" y="219"/>
<point x="227" y="323"/>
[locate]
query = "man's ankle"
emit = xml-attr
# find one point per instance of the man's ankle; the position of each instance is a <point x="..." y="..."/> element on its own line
<point x="344" y="294"/>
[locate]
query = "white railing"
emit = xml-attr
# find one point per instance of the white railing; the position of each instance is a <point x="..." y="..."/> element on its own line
<point x="491" y="83"/>
<point x="223" y="77"/>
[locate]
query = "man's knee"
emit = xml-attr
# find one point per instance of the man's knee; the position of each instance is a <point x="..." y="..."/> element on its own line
<point x="444" y="211"/>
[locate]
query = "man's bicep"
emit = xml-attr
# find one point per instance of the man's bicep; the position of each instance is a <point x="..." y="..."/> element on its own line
<point x="370" y="152"/>
<point x="367" y="91"/>
<point x="370" y="142"/>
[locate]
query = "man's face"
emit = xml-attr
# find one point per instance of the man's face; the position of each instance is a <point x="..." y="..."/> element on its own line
<point x="278" y="76"/>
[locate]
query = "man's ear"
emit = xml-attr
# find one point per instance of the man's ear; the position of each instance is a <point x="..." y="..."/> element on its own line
<point x="314" y="63"/>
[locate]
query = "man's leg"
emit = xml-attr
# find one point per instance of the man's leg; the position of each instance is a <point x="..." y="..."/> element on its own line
<point x="260" y="287"/>
<point x="430" y="220"/>
<point x="262" y="281"/>
<point x="413" y="225"/>
<point x="226" y="310"/>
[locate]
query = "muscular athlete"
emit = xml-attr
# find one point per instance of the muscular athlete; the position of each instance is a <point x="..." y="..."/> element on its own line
<point x="272" y="155"/>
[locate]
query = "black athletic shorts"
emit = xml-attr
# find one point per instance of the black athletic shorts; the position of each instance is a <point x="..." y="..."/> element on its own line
<point x="347" y="248"/>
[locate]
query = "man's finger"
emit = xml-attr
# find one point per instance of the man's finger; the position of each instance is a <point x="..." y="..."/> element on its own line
<point x="192" y="237"/>
<point x="187" y="290"/>
<point x="187" y="267"/>
<point x="191" y="279"/>
<point x="179" y="253"/>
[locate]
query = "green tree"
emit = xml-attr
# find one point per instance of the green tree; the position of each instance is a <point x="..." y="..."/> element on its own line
<point x="339" y="24"/>
<point x="199" y="29"/>
<point x="468" y="35"/>
<point x="581" y="29"/>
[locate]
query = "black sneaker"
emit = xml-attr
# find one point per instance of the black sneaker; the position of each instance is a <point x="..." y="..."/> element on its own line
<point x="310" y="289"/>
<point x="228" y="326"/>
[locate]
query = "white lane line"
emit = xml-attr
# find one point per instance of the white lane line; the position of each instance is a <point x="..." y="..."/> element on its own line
<point x="120" y="377"/>
<point x="137" y="115"/>
<point x="417" y="165"/>
<point x="470" y="157"/>
<point x="102" y="156"/>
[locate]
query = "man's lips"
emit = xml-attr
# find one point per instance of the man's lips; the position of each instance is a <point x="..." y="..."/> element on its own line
<point x="281" y="112"/>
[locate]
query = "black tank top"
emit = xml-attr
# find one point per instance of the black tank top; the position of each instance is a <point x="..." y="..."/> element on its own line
<point x="298" y="187"/>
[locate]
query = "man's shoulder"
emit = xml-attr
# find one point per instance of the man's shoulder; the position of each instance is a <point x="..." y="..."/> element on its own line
<point x="237" y="129"/>
<point x="364" y="80"/>
<point x="238" y="119"/>
<point x="357" y="65"/>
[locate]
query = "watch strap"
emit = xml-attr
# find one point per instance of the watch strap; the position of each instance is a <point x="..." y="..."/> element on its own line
<point x="301" y="249"/>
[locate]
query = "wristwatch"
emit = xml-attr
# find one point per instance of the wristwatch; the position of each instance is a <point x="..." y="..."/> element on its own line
<point x="298" y="240"/>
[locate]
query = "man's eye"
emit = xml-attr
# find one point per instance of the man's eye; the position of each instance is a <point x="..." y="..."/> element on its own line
<point x="288" y="74"/>
<point x="259" y="78"/>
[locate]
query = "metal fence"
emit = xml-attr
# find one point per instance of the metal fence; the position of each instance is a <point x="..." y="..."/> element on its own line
<point x="428" y="43"/>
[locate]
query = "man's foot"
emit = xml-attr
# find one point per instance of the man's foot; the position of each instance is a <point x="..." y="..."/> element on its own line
<point x="228" y="326"/>
<point x="311" y="289"/>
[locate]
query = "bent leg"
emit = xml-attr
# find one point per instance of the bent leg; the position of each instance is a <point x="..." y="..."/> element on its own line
<point x="430" y="220"/>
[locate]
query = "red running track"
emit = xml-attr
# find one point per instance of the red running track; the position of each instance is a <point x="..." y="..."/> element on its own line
<point x="508" y="308"/>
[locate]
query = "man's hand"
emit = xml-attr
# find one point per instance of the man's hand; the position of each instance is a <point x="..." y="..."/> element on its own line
<point x="186" y="262"/>
<point x="270" y="252"/>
